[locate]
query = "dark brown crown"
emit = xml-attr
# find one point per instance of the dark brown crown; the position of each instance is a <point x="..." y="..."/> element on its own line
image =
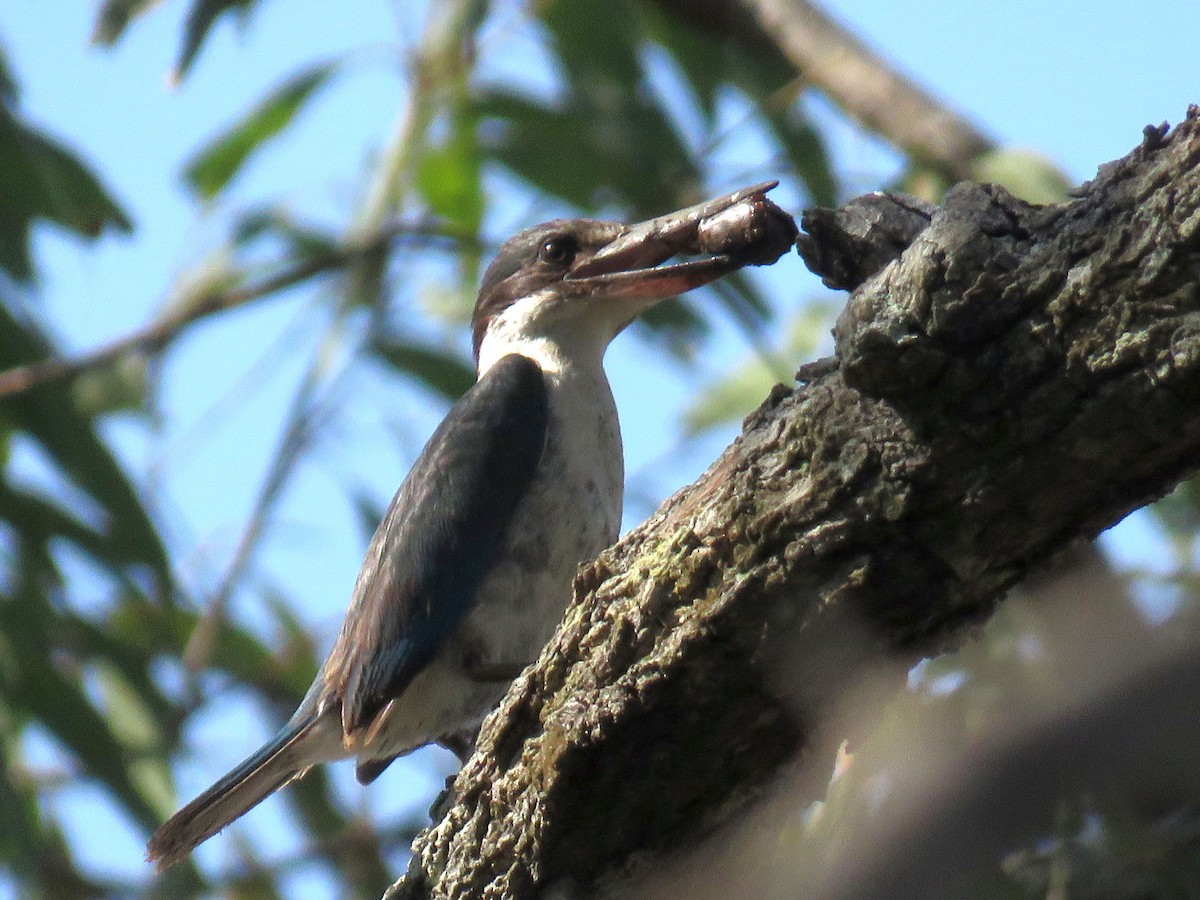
<point x="529" y="261"/>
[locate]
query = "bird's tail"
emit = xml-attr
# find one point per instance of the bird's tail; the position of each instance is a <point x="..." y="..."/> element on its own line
<point x="273" y="766"/>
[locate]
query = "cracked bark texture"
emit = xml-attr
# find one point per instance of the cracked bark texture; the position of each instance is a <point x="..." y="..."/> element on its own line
<point x="1014" y="381"/>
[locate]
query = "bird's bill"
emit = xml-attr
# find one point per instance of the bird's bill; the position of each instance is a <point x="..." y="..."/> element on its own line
<point x="630" y="264"/>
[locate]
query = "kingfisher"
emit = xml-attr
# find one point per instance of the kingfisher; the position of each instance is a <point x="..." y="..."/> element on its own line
<point x="472" y="566"/>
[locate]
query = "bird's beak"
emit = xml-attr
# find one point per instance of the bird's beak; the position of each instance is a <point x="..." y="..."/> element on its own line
<point x="629" y="265"/>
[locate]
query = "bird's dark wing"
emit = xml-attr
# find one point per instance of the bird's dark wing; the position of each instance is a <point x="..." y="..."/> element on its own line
<point x="439" y="538"/>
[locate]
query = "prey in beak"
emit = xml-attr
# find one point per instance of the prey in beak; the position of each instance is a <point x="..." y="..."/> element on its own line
<point x="603" y="274"/>
<point x="740" y="228"/>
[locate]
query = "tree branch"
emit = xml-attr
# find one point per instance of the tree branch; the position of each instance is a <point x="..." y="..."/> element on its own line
<point x="157" y="336"/>
<point x="1097" y="718"/>
<point x="868" y="88"/>
<point x="1018" y="379"/>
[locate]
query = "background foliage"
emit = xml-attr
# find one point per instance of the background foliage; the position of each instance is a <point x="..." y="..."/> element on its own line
<point x="123" y="636"/>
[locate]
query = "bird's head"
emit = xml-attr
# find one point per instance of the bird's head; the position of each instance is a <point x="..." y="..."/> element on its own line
<point x="569" y="286"/>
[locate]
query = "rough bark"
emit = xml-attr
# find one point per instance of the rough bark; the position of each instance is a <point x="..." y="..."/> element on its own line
<point x="1017" y="380"/>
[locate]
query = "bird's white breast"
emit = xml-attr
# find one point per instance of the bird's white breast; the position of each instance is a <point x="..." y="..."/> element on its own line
<point x="570" y="513"/>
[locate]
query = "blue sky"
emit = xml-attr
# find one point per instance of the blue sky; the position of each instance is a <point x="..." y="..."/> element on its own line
<point x="1075" y="81"/>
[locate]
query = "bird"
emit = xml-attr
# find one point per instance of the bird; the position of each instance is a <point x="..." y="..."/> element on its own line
<point x="472" y="566"/>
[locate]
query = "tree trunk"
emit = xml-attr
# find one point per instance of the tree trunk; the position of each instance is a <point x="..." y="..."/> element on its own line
<point x="1015" y="381"/>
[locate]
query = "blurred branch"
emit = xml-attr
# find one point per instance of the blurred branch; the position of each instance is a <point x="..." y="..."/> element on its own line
<point x="869" y="89"/>
<point x="970" y="774"/>
<point x="974" y="799"/>
<point x="296" y="435"/>
<point x="440" y="71"/>
<point x="1017" y="380"/>
<point x="157" y="336"/>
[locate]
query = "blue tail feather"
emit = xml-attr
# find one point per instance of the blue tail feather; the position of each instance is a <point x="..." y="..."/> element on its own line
<point x="255" y="778"/>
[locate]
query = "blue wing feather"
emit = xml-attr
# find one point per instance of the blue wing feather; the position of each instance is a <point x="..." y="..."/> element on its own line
<point x="439" y="539"/>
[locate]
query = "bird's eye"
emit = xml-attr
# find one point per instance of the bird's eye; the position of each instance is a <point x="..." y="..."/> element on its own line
<point x="558" y="250"/>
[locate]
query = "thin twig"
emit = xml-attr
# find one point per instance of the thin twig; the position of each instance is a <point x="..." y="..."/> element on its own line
<point x="296" y="437"/>
<point x="156" y="336"/>
<point x="875" y="93"/>
<point x="832" y="59"/>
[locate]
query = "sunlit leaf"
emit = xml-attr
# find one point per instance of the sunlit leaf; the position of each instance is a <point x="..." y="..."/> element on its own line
<point x="215" y="166"/>
<point x="100" y="642"/>
<point x="607" y="141"/>
<point x="121" y="385"/>
<point x="158" y="631"/>
<point x="923" y="182"/>
<point x="746" y="386"/>
<point x="591" y="157"/>
<point x="449" y="173"/>
<point x="1023" y="173"/>
<point x="137" y="726"/>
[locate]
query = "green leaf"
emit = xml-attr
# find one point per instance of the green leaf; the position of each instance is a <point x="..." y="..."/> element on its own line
<point x="746" y="386"/>
<point x="114" y="17"/>
<point x="440" y="370"/>
<point x="8" y="84"/>
<point x="1179" y="511"/>
<point x="367" y="513"/>
<point x="608" y="140"/>
<point x="215" y="166"/>
<point x="48" y="415"/>
<point x="282" y="679"/>
<point x="20" y="820"/>
<point x="41" y="180"/>
<point x="767" y="79"/>
<point x="743" y="299"/>
<point x="591" y="156"/>
<point x="60" y="703"/>
<point x="39" y="521"/>
<point x="117" y="386"/>
<point x="449" y="173"/>
<point x="201" y="17"/>
<point x="703" y="61"/>
<point x="596" y="45"/>
<point x="1024" y="173"/>
<point x="676" y="324"/>
<point x="301" y="241"/>
<point x="805" y="149"/>
<point x="135" y="724"/>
